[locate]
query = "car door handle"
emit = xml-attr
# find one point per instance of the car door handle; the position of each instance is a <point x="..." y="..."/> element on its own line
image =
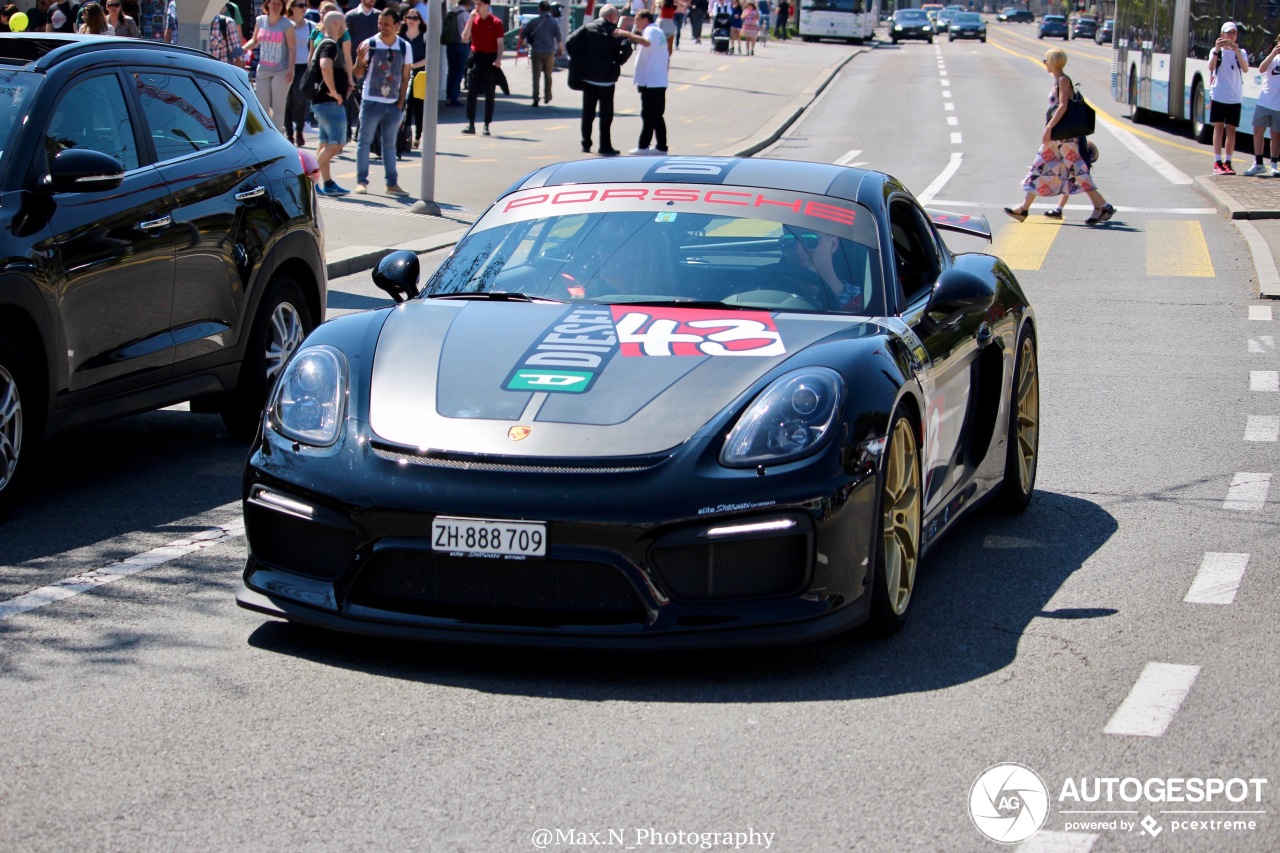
<point x="256" y="192"/>
<point x="156" y="224"/>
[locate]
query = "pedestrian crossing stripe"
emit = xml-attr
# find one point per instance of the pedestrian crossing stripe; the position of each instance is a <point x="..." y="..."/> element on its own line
<point x="1174" y="248"/>
<point x="1177" y="248"/>
<point x="1025" y="245"/>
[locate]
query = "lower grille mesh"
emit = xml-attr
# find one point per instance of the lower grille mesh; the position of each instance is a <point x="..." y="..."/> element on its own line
<point x="497" y="592"/>
<point x="746" y="568"/>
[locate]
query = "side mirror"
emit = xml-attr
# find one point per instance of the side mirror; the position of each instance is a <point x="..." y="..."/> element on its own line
<point x="397" y="274"/>
<point x="80" y="170"/>
<point x="958" y="292"/>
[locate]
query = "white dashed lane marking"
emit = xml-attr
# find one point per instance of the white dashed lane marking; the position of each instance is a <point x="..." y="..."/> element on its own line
<point x="94" y="578"/>
<point x="1248" y="492"/>
<point x="1262" y="345"/>
<point x="1262" y="428"/>
<point x="1218" y="580"/>
<point x="1259" y="312"/>
<point x="1154" y="700"/>
<point x="1048" y="841"/>
<point x="1264" y="380"/>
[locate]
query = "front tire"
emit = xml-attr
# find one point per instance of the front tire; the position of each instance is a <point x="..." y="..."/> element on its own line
<point x="1201" y="129"/>
<point x="1023" y="438"/>
<point x="898" y="547"/>
<point x="19" y="423"/>
<point x="283" y="321"/>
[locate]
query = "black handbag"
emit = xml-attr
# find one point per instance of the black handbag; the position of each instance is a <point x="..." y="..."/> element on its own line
<point x="1079" y="119"/>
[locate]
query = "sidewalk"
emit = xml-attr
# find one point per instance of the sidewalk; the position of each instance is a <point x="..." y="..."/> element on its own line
<point x="731" y="105"/>
<point x="1254" y="205"/>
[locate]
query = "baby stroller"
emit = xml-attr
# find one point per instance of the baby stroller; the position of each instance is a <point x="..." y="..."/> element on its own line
<point x="720" y="32"/>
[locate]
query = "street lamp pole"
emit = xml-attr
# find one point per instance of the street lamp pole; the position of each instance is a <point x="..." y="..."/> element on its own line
<point x="426" y="202"/>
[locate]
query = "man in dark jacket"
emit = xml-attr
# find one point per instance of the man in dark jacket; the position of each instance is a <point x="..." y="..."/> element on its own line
<point x="596" y="53"/>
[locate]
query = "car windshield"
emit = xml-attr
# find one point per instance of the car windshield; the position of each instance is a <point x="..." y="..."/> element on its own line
<point x="911" y="15"/>
<point x="1054" y="19"/>
<point x="16" y="91"/>
<point x="967" y="18"/>
<point x="795" y="254"/>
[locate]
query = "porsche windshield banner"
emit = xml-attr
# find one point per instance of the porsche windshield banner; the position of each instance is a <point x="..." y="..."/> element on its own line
<point x="805" y="210"/>
<point x="575" y="350"/>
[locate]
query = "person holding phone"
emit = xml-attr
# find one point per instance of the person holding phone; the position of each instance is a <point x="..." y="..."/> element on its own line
<point x="1228" y="63"/>
<point x="1266" y="114"/>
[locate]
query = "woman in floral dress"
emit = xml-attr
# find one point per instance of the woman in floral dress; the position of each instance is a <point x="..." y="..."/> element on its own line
<point x="1060" y="167"/>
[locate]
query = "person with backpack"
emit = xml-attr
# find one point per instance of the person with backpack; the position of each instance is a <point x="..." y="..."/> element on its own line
<point x="597" y="51"/>
<point x="384" y="62"/>
<point x="328" y="96"/>
<point x="225" y="43"/>
<point x="542" y="34"/>
<point x="456" y="51"/>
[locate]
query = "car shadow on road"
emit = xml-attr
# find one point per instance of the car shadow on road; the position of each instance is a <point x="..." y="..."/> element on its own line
<point x="979" y="594"/>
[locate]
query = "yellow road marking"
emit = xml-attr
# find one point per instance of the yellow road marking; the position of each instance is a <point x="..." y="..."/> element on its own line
<point x="1080" y="54"/>
<point x="683" y="87"/>
<point x="705" y="77"/>
<point x="1025" y="245"/>
<point x="724" y="68"/>
<point x="1108" y="118"/>
<point x="1177" y="247"/>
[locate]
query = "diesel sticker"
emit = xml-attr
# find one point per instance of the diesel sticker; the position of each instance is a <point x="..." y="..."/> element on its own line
<point x="569" y="356"/>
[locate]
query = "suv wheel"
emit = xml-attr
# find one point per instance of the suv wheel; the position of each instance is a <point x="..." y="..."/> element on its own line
<point x="19" y="432"/>
<point x="282" y="322"/>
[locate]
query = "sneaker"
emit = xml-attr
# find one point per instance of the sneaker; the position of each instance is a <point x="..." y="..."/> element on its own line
<point x="1054" y="213"/>
<point x="470" y="129"/>
<point x="1226" y="168"/>
<point x="609" y="152"/>
<point x="361" y="189"/>
<point x="1218" y="168"/>
<point x="586" y="148"/>
<point x="640" y="151"/>
<point x="486" y="130"/>
<point x="1275" y="170"/>
<point x="1256" y="169"/>
<point x="396" y="189"/>
<point x="332" y="188"/>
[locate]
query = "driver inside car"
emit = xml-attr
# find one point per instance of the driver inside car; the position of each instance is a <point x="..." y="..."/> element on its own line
<point x="813" y="267"/>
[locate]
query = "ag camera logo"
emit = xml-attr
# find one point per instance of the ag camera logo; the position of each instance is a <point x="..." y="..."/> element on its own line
<point x="1008" y="803"/>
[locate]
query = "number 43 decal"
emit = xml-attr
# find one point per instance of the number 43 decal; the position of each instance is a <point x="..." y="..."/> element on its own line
<point x="685" y="331"/>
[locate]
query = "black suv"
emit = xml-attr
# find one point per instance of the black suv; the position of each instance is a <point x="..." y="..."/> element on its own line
<point x="161" y="239"/>
<point x="1084" y="28"/>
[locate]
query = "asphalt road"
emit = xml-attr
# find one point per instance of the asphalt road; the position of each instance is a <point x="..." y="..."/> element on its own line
<point x="150" y="713"/>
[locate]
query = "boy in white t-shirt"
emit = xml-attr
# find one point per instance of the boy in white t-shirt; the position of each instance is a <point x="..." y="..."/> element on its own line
<point x="1228" y="63"/>
<point x="1266" y="114"/>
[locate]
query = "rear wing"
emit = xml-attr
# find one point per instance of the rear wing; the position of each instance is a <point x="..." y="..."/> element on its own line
<point x="963" y="223"/>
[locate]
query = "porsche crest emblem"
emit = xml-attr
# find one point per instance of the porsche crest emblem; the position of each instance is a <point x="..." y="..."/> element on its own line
<point x="519" y="433"/>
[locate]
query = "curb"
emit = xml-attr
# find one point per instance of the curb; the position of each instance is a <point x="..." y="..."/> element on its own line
<point x="1227" y="204"/>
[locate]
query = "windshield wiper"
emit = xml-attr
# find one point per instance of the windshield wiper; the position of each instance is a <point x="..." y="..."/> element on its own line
<point x="494" y="296"/>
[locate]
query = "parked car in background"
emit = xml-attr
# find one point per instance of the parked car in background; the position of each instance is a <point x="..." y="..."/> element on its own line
<point x="1084" y="28"/>
<point x="1054" y="26"/>
<point x="967" y="25"/>
<point x="161" y="237"/>
<point x="1106" y="32"/>
<point x="911" y="24"/>
<point x="1016" y="16"/>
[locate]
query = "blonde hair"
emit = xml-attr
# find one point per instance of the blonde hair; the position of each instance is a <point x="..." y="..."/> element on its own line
<point x="1055" y="58"/>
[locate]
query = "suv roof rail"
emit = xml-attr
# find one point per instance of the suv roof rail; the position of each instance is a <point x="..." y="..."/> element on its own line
<point x="45" y="50"/>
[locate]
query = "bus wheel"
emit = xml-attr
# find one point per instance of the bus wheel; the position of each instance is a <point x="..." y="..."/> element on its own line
<point x="1137" y="115"/>
<point x="1200" y="129"/>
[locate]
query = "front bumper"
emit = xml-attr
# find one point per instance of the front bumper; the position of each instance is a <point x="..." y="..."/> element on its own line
<point x="968" y="34"/>
<point x="654" y="558"/>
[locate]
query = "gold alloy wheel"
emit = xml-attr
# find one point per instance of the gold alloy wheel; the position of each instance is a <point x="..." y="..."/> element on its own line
<point x="1028" y="423"/>
<point x="901" y="508"/>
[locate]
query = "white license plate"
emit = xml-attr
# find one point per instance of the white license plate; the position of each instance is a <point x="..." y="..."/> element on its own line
<point x="489" y="537"/>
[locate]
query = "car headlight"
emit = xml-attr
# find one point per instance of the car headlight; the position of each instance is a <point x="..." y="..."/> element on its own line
<point x="308" y="402"/>
<point x="928" y="29"/>
<point x="790" y="419"/>
<point x="897" y="27"/>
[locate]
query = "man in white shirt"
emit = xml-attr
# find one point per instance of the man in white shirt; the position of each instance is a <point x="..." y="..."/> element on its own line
<point x="650" y="78"/>
<point x="1266" y="114"/>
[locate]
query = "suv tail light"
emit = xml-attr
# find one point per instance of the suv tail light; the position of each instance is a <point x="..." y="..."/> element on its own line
<point x="310" y="167"/>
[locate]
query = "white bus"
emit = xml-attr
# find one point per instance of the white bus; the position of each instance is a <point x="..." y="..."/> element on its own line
<point x="1161" y="62"/>
<point x="853" y="21"/>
